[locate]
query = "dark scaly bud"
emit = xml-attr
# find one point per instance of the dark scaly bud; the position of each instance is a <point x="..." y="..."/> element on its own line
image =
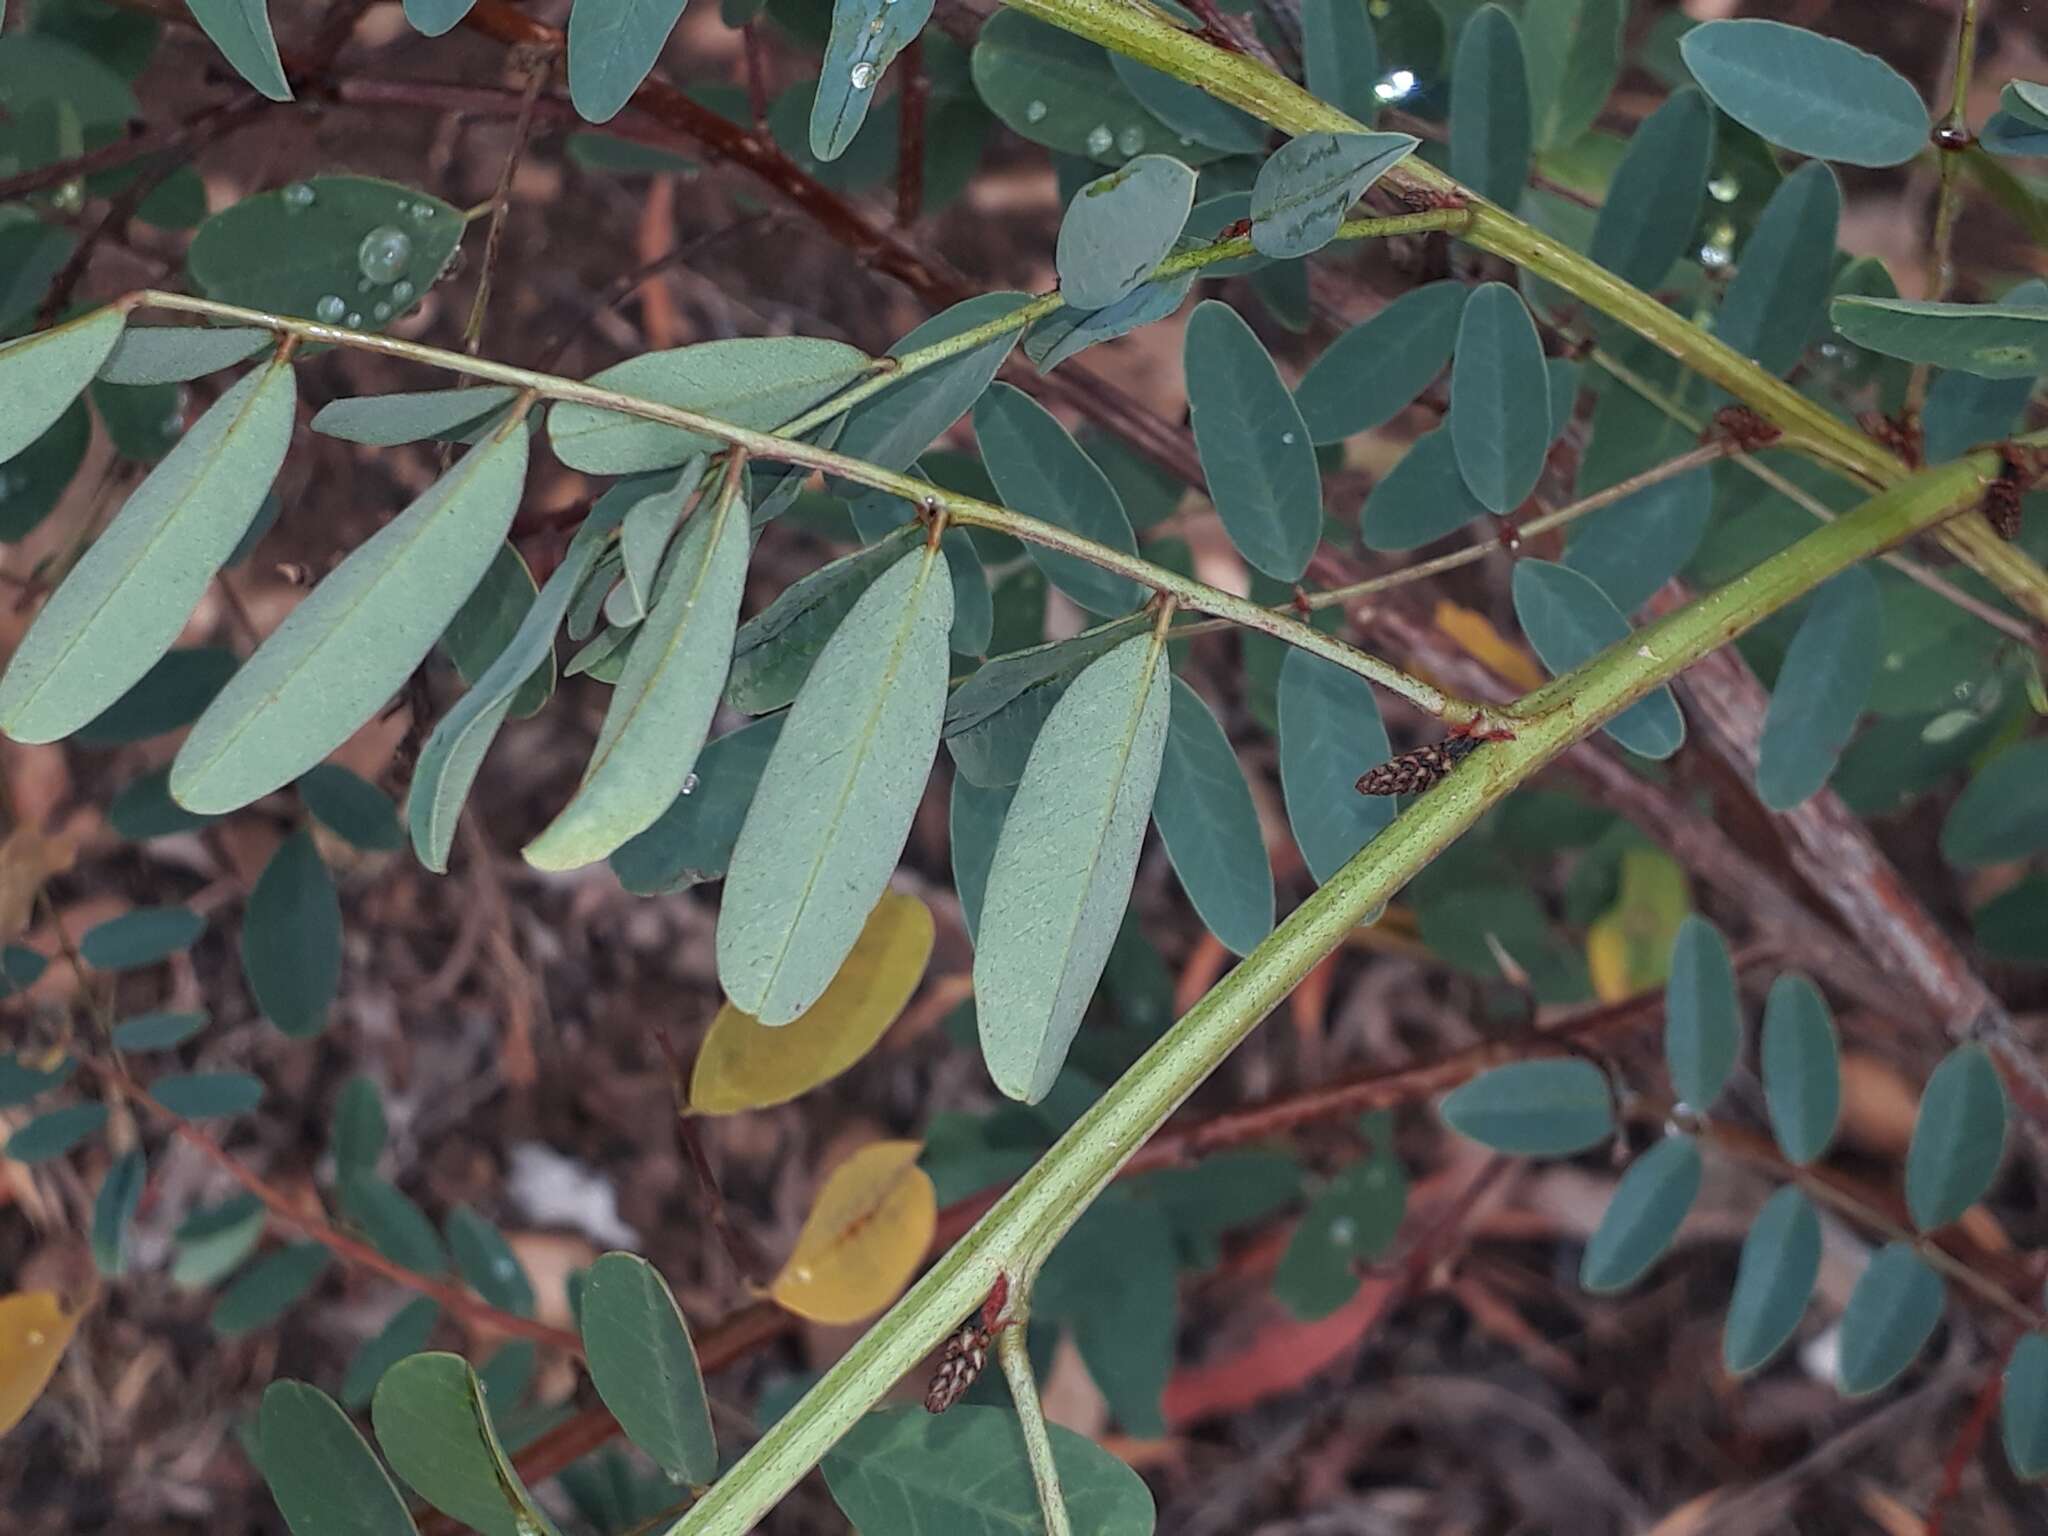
<point x="1413" y="772"/>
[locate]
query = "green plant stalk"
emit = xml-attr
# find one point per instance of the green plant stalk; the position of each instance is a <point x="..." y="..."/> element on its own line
<point x="958" y="508"/>
<point x="1144" y="34"/>
<point x="1015" y="1354"/>
<point x="889" y="371"/>
<point x="1019" y="1231"/>
<point x="1951" y="139"/>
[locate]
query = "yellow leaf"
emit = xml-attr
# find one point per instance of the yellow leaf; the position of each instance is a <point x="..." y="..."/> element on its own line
<point x="1628" y="948"/>
<point x="746" y="1065"/>
<point x="34" y="1329"/>
<point x="1485" y="644"/>
<point x="864" y="1238"/>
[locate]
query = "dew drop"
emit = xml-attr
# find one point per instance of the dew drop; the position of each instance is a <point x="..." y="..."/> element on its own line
<point x="1131" y="140"/>
<point x="355" y="321"/>
<point x="422" y="213"/>
<point x="1725" y="189"/>
<point x="298" y="195"/>
<point x="173" y="424"/>
<point x="1343" y="1232"/>
<point x="402" y="292"/>
<point x="689" y="783"/>
<point x="330" y="308"/>
<point x="382" y="311"/>
<point x="1100" y="139"/>
<point x="384" y="254"/>
<point x="1034" y="112"/>
<point x="1288" y="438"/>
<point x="863" y="75"/>
<point x="35" y="1338"/>
<point x="364" y="285"/>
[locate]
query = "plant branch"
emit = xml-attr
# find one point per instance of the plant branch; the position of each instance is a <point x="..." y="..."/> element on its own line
<point x="1951" y="140"/>
<point x="1015" y="1354"/>
<point x="1186" y="591"/>
<point x="1148" y="37"/>
<point x="1021" y="1229"/>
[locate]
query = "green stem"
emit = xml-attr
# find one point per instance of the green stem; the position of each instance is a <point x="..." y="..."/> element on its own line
<point x="890" y="370"/>
<point x="1198" y="596"/>
<point x="1021" y="1228"/>
<point x="1951" y="139"/>
<point x="1144" y="35"/>
<point x="1045" y="1473"/>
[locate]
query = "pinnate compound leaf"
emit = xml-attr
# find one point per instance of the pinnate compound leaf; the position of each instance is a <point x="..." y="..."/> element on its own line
<point x="1369" y="374"/>
<point x="1210" y="826"/>
<point x="240" y="29"/>
<point x="1254" y="446"/>
<point x="1065" y="862"/>
<point x="55" y="1132"/>
<point x="758" y="382"/>
<point x="323" y="1474"/>
<point x="1653" y="202"/>
<point x="1119" y="227"/>
<point x="1329" y="723"/>
<point x="1781" y="286"/>
<point x="1422" y="498"/>
<point x="1500" y="399"/>
<point x="1068" y="331"/>
<point x="125" y="602"/>
<point x="1773" y="1280"/>
<point x="1491" y="128"/>
<point x="964" y="1470"/>
<point x="1702" y="1017"/>
<point x="207" y="1095"/>
<point x="2003" y="813"/>
<point x="1307" y="186"/>
<point x="1889" y="1318"/>
<point x="1958" y="1138"/>
<point x="691" y="842"/>
<point x="141" y="937"/>
<point x="435" y="1431"/>
<point x="1810" y="94"/>
<point x="1802" y="1069"/>
<point x="214" y="1239"/>
<point x="661" y="708"/>
<point x="866" y="37"/>
<point x="892" y="428"/>
<point x="1040" y="470"/>
<point x="745" y="1065"/>
<point x="1649" y="1205"/>
<point x="864" y="1238"/>
<point x="776" y="649"/>
<point x="308" y="249"/>
<point x="428" y="415"/>
<point x="434" y="17"/>
<point x="172" y="354"/>
<point x="1545" y="1108"/>
<point x="1823" y="686"/>
<point x="1570" y="621"/>
<point x="837" y="797"/>
<point x="994" y="717"/>
<point x="612" y="46"/>
<point x="1992" y="341"/>
<point x="1574" y="49"/>
<point x="2023" y="1408"/>
<point x="1057" y="89"/>
<point x="343" y="651"/>
<point x="291" y="938"/>
<point x="269" y="1288"/>
<point x="1342" y="55"/>
<point x="645" y="1367"/>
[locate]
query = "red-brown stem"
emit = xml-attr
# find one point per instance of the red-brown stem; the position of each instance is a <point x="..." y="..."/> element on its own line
<point x="911" y="95"/>
<point x="1967" y="1442"/>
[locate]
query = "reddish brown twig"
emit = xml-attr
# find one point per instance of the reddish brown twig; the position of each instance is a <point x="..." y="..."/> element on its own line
<point x="1969" y="1439"/>
<point x="912" y="94"/>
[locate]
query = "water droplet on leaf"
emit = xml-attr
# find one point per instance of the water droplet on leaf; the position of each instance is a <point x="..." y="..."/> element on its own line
<point x="384" y="254"/>
<point x="1131" y="140"/>
<point x="1034" y="112"/>
<point x="863" y="75"/>
<point x="298" y="195"/>
<point x="1100" y="139"/>
<point x="330" y="308"/>
<point x="689" y="783"/>
<point x="402" y="292"/>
